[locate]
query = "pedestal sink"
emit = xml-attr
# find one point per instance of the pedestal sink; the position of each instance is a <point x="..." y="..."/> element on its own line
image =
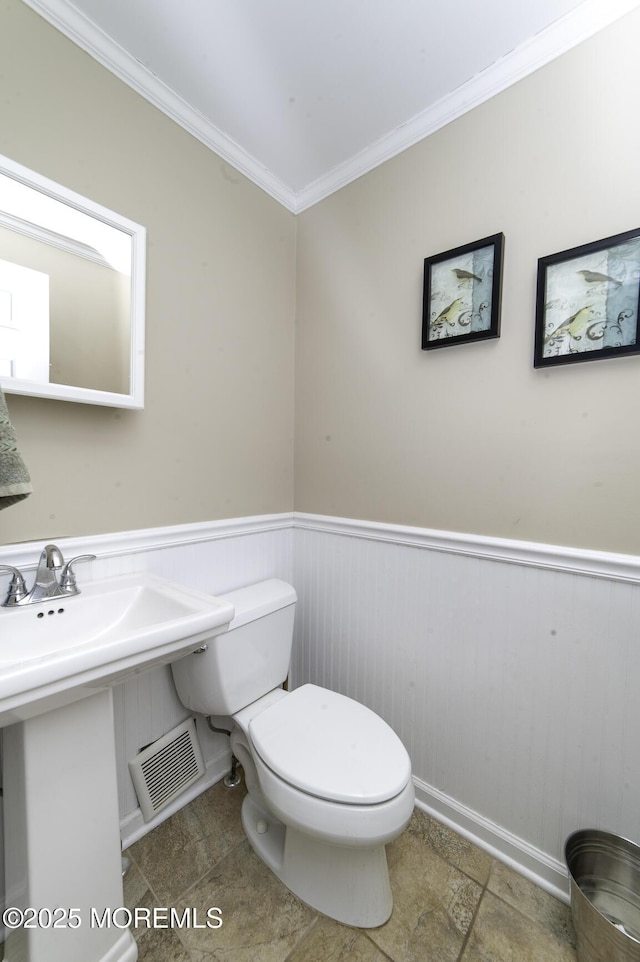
<point x="58" y="663"/>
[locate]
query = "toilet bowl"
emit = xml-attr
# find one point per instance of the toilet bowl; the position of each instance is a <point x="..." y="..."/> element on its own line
<point x="329" y="782"/>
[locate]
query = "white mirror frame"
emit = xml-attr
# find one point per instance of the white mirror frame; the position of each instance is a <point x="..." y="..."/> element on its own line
<point x="67" y="392"/>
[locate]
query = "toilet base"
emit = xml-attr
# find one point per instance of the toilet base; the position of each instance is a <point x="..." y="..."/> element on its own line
<point x="348" y="883"/>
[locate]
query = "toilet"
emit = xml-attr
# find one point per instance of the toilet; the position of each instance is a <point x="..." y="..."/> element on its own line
<point x="329" y="782"/>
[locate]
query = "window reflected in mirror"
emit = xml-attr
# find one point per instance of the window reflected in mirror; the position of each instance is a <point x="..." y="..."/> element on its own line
<point x="71" y="294"/>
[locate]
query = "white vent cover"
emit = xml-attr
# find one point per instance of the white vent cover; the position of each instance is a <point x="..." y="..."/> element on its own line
<point x="165" y="768"/>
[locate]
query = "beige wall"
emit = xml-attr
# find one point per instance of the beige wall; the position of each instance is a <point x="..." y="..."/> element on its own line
<point x="471" y="438"/>
<point x="216" y="437"/>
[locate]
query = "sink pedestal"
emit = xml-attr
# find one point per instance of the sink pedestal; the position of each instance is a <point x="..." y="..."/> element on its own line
<point x="62" y="832"/>
<point x="62" y="836"/>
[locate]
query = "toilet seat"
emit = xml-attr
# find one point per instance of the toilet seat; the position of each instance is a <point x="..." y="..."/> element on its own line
<point x="331" y="747"/>
<point x="359" y="826"/>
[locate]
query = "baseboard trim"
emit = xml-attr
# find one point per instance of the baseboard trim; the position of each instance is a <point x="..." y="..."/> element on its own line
<point x="583" y="561"/>
<point x="534" y="864"/>
<point x="133" y="827"/>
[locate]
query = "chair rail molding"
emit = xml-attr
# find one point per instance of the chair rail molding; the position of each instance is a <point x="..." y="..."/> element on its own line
<point x="150" y="539"/>
<point x="584" y="561"/>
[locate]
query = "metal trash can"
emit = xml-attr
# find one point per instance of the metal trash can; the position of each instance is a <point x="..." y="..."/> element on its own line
<point x="604" y="870"/>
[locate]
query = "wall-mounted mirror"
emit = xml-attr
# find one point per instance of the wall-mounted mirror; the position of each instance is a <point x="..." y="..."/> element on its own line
<point x="72" y="294"/>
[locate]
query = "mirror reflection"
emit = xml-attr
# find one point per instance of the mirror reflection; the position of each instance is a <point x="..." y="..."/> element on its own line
<point x="71" y="294"/>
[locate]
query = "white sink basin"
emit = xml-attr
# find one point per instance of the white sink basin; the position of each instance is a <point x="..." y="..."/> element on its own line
<point x="55" y="652"/>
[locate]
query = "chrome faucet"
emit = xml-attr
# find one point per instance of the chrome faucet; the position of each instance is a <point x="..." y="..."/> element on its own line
<point x="47" y="585"/>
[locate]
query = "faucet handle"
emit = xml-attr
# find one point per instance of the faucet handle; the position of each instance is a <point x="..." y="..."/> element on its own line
<point x="17" y="587"/>
<point x="68" y="576"/>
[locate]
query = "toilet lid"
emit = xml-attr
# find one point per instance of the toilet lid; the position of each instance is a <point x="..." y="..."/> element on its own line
<point x="332" y="747"/>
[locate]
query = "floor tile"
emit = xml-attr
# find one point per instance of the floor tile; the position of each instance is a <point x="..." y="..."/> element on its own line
<point x="161" y="945"/>
<point x="328" y="941"/>
<point x="135" y="887"/>
<point x="452" y="847"/>
<point x="452" y="901"/>
<point x="434" y="904"/>
<point x="137" y="894"/>
<point x="533" y="902"/>
<point x="502" y="934"/>
<point x="262" y="920"/>
<point x="181" y="850"/>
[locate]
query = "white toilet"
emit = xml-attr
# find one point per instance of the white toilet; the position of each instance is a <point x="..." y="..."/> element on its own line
<point x="329" y="783"/>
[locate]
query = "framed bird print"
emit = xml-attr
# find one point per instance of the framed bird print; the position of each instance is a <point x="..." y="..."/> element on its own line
<point x="462" y="289"/>
<point x="587" y="302"/>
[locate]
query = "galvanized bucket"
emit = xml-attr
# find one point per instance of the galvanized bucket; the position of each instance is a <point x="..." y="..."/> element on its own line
<point x="604" y="870"/>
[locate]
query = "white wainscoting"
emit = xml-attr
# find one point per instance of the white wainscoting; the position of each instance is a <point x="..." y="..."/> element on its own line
<point x="215" y="557"/>
<point x="509" y="670"/>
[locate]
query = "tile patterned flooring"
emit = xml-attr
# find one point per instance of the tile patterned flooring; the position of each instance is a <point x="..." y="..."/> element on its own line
<point x="452" y="901"/>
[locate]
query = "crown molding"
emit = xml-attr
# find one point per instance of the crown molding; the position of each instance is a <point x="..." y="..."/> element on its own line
<point x="93" y="40"/>
<point x="588" y="19"/>
<point x="583" y="22"/>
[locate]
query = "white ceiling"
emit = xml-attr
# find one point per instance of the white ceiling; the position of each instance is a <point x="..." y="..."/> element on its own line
<point x="305" y="95"/>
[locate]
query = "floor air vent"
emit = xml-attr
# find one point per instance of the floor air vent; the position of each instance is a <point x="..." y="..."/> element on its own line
<point x="165" y="768"/>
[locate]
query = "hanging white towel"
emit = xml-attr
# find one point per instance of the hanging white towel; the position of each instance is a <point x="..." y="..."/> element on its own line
<point x="15" y="483"/>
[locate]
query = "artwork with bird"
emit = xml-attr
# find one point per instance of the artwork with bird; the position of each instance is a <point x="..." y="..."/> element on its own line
<point x="595" y="277"/>
<point x="465" y="275"/>
<point x="588" y="299"/>
<point x="577" y="326"/>
<point x="460" y="291"/>
<point x="448" y="316"/>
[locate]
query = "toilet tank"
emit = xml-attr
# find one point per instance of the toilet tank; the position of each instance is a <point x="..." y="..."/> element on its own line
<point x="246" y="661"/>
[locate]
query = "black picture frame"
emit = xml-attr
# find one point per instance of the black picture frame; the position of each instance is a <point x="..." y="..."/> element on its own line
<point x="587" y="303"/>
<point x="462" y="292"/>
